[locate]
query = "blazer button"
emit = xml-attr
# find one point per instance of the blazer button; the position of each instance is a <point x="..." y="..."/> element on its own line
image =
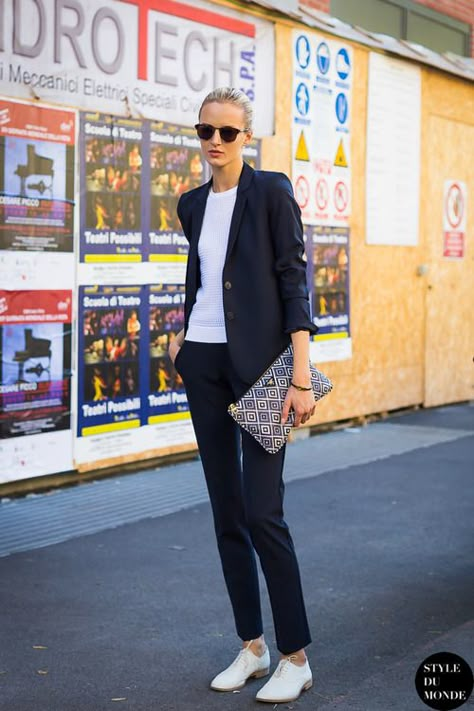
<point x="230" y="315"/>
<point x="228" y="285"/>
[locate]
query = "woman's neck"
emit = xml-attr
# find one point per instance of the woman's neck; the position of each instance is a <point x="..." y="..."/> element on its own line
<point x="226" y="177"/>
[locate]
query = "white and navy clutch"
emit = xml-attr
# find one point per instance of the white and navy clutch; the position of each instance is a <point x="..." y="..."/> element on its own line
<point x="259" y="409"/>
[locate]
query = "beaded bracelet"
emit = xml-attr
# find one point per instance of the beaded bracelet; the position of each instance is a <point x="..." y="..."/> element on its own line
<point x="300" y="387"/>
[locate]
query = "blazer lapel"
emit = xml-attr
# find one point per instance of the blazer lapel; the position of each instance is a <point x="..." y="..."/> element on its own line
<point x="240" y="202"/>
<point x="198" y="210"/>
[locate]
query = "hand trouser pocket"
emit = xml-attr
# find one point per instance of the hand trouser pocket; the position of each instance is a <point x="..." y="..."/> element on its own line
<point x="178" y="356"/>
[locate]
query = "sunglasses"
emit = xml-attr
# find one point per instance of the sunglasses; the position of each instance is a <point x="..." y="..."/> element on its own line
<point x="227" y="133"/>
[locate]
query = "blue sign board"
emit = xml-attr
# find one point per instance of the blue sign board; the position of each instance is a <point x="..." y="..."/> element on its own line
<point x="303" y="51"/>
<point x="342" y="107"/>
<point x="343" y="63"/>
<point x="302" y="99"/>
<point x="323" y="58"/>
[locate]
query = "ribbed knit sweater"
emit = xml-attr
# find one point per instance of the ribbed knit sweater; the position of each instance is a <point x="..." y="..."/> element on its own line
<point x="207" y="321"/>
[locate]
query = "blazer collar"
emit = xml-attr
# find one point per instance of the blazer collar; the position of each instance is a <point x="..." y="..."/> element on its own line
<point x="245" y="178"/>
<point x="246" y="175"/>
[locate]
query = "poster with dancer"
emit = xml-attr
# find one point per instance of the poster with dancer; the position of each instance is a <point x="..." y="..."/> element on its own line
<point x="37" y="146"/>
<point x="110" y="326"/>
<point x="112" y="170"/>
<point x="176" y="166"/>
<point x="35" y="362"/>
<point x="328" y="261"/>
<point x="167" y="395"/>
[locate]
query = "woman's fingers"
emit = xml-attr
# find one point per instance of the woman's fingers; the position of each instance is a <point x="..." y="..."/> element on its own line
<point x="302" y="413"/>
<point x="308" y="415"/>
<point x="173" y="351"/>
<point x="285" y="411"/>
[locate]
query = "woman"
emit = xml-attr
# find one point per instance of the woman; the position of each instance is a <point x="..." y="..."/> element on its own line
<point x="246" y="300"/>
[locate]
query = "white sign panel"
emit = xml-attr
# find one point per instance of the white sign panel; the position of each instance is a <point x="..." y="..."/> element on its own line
<point x="321" y="160"/>
<point x="36" y="455"/>
<point x="143" y="442"/>
<point x="393" y="151"/>
<point x="148" y="60"/>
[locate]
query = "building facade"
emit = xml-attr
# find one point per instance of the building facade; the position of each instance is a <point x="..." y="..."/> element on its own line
<point x="97" y="143"/>
<point x="441" y="25"/>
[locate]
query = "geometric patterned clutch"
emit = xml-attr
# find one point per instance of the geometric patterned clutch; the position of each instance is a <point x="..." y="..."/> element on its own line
<point x="259" y="410"/>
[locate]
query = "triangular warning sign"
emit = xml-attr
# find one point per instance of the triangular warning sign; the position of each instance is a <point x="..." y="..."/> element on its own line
<point x="340" y="158"/>
<point x="302" y="148"/>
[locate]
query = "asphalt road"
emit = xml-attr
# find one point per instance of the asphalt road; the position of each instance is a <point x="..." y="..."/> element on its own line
<point x="137" y="616"/>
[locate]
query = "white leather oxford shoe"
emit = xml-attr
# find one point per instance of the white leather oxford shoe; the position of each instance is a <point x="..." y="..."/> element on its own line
<point x="245" y="665"/>
<point x="286" y="683"/>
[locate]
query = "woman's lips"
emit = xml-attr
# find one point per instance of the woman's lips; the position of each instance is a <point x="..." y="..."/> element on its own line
<point x="215" y="153"/>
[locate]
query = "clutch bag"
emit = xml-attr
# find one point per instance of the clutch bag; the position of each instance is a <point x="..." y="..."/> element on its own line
<point x="258" y="410"/>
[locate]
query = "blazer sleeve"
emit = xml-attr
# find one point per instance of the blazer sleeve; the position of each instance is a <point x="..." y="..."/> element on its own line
<point x="287" y="235"/>
<point x="183" y="218"/>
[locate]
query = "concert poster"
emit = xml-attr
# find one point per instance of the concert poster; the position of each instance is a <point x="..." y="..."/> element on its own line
<point x="327" y="251"/>
<point x="111" y="326"/>
<point x="36" y="177"/>
<point x="176" y="166"/>
<point x="35" y="363"/>
<point x="112" y="169"/>
<point x="167" y="396"/>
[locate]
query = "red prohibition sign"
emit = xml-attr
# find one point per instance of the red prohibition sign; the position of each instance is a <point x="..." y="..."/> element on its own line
<point x="302" y="191"/>
<point x="454" y="205"/>
<point x="341" y="196"/>
<point x="322" y="194"/>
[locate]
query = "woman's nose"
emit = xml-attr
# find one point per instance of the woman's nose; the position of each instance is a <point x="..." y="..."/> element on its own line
<point x="216" y="137"/>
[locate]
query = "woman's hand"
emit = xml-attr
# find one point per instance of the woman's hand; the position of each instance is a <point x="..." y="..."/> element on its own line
<point x="173" y="350"/>
<point x="175" y="345"/>
<point x="302" y="402"/>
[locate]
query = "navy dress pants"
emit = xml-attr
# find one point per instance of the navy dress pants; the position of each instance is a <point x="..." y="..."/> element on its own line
<point x="246" y="488"/>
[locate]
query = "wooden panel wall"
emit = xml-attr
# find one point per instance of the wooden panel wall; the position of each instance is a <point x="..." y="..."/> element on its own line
<point x="449" y="284"/>
<point x="387" y="296"/>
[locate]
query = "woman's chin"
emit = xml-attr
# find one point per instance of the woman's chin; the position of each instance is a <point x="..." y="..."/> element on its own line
<point x="215" y="158"/>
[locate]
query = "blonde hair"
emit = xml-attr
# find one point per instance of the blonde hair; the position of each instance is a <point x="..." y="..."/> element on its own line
<point x="227" y="94"/>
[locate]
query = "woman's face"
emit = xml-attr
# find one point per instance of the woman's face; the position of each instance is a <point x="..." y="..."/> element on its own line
<point x="216" y="151"/>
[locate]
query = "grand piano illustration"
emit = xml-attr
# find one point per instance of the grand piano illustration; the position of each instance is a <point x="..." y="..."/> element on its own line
<point x="38" y="166"/>
<point x="36" y="349"/>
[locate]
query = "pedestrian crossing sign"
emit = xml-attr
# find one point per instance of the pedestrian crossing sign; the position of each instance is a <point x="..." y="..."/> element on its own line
<point x="340" y="159"/>
<point x="302" y="148"/>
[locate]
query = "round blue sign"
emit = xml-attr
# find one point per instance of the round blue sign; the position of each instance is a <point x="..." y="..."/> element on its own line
<point x="342" y="108"/>
<point x="302" y="99"/>
<point x="303" y="51"/>
<point x="323" y="58"/>
<point x="343" y="63"/>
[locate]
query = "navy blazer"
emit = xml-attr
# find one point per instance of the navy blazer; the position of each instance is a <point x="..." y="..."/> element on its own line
<point x="264" y="285"/>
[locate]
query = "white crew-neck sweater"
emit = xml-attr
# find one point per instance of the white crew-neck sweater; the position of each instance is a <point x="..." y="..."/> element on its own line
<point x="206" y="321"/>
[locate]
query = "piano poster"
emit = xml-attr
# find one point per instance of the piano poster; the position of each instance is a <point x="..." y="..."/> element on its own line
<point x="167" y="400"/>
<point x="35" y="367"/>
<point x="36" y="177"/>
<point x="111" y="170"/>
<point x="112" y="359"/>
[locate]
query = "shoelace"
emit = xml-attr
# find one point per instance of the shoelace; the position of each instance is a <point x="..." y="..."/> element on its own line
<point x="241" y="659"/>
<point x="284" y="664"/>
